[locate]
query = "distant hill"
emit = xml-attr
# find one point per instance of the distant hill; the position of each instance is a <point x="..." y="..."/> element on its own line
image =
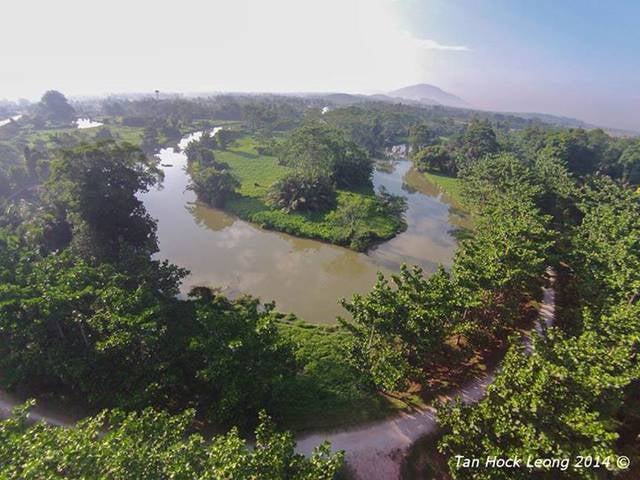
<point x="558" y="120"/>
<point x="428" y="94"/>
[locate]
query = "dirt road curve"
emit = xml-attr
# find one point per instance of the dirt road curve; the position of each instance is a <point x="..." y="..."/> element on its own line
<point x="376" y="451"/>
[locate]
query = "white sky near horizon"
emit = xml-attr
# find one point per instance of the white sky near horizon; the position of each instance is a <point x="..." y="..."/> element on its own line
<point x="83" y="47"/>
<point x="360" y="46"/>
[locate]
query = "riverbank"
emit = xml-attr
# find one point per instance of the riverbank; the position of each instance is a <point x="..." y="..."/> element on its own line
<point x="451" y="186"/>
<point x="328" y="392"/>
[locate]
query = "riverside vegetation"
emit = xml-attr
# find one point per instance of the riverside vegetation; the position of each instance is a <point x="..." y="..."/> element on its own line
<point x="87" y="314"/>
<point x="315" y="183"/>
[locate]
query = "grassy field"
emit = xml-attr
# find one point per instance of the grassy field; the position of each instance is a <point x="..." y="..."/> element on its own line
<point x="258" y="172"/>
<point x="120" y="132"/>
<point x="329" y="392"/>
<point x="450" y="185"/>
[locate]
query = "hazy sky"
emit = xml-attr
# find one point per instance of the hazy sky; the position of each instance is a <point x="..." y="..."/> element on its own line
<point x="578" y="58"/>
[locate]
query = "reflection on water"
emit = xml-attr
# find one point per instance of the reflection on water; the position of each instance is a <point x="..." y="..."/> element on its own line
<point x="427" y="241"/>
<point x="303" y="276"/>
<point x="416" y="182"/>
<point x="83" y="123"/>
<point x="7" y="121"/>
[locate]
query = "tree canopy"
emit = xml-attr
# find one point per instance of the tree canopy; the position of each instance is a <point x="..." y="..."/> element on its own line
<point x="152" y="445"/>
<point x="54" y="108"/>
<point x="320" y="149"/>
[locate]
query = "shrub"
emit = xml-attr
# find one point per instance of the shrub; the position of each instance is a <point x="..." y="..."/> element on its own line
<point x="302" y="192"/>
<point x="212" y="186"/>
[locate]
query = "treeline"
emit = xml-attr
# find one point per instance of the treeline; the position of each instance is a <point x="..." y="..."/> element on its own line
<point x="372" y="123"/>
<point x="375" y="126"/>
<point x="266" y="113"/>
<point x="582" y="152"/>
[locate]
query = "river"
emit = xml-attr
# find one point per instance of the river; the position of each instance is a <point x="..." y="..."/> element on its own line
<point x="7" y="121"/>
<point x="83" y="123"/>
<point x="302" y="276"/>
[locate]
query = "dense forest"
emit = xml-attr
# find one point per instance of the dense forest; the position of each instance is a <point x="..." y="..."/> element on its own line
<point x="90" y="316"/>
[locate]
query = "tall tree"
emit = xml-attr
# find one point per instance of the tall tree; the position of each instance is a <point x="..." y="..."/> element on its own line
<point x="55" y="108"/>
<point x="574" y="149"/>
<point x="558" y="402"/>
<point x="420" y="136"/>
<point x="477" y="141"/>
<point x="397" y="326"/>
<point x="320" y="149"/>
<point x="96" y="188"/>
<point x="630" y="163"/>
<point x="606" y="244"/>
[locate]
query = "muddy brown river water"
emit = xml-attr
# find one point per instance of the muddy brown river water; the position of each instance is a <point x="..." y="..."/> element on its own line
<point x="302" y="276"/>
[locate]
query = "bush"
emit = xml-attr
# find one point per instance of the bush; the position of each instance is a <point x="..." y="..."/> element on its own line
<point x="302" y="192"/>
<point x="435" y="158"/>
<point x="212" y="186"/>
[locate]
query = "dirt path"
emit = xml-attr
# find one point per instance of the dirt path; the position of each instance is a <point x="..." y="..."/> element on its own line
<point x="38" y="413"/>
<point x="376" y="451"/>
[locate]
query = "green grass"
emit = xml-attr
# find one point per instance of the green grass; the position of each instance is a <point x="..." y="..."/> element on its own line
<point x="328" y="392"/>
<point x="258" y="172"/>
<point x="127" y="134"/>
<point x="120" y="132"/>
<point x="452" y="186"/>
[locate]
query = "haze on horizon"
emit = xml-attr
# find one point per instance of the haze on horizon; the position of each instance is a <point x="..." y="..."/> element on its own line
<point x="574" y="58"/>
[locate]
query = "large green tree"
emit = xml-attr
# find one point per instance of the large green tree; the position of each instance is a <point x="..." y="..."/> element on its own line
<point x="299" y="191"/>
<point x="558" y="402"/>
<point x="629" y="162"/>
<point x="95" y="188"/>
<point x="320" y="149"/>
<point x="212" y="185"/>
<point x="574" y="149"/>
<point x="435" y="158"/>
<point x="503" y="262"/>
<point x="54" y="107"/>
<point x="606" y="244"/>
<point x="477" y="141"/>
<point x="398" y="325"/>
<point x="420" y="136"/>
